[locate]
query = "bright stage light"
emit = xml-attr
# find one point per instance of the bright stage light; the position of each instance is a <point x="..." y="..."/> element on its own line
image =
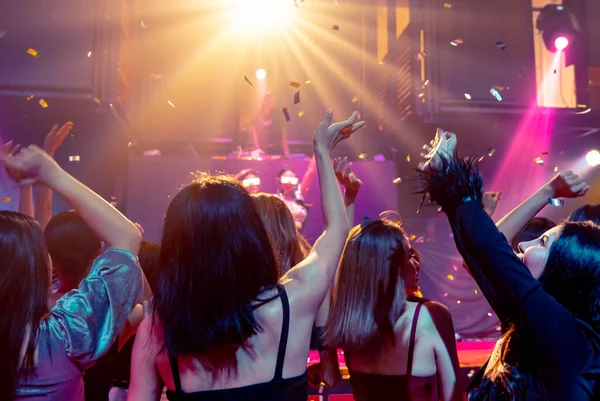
<point x="561" y="43"/>
<point x="261" y="74"/>
<point x="262" y="15"/>
<point x="593" y="158"/>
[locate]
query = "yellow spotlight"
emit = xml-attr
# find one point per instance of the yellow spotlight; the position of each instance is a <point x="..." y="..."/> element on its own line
<point x="262" y="15"/>
<point x="593" y="158"/>
<point x="261" y="74"/>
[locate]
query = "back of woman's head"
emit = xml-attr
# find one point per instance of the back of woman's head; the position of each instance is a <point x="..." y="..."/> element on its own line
<point x="215" y="260"/>
<point x="585" y="213"/>
<point x="24" y="287"/>
<point x="572" y="272"/>
<point x="73" y="246"/>
<point x="369" y="295"/>
<point x="281" y="227"/>
<point x="532" y="230"/>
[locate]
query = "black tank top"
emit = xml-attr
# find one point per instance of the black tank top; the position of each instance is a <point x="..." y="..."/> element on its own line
<point x="375" y="387"/>
<point x="278" y="389"/>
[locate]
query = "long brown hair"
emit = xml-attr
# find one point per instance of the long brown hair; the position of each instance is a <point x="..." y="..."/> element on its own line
<point x="280" y="225"/>
<point x="369" y="295"/>
<point x="24" y="288"/>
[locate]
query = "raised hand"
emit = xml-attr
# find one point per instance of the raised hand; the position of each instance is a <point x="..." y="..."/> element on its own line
<point x="32" y="164"/>
<point x="443" y="145"/>
<point x="567" y="185"/>
<point x="346" y="176"/>
<point x="328" y="135"/>
<point x="56" y="137"/>
<point x="9" y="150"/>
<point x="490" y="201"/>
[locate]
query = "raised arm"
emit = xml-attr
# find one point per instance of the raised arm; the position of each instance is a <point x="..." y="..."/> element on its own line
<point x="314" y="273"/>
<point x="560" y="186"/>
<point x="351" y="184"/>
<point x="308" y="176"/>
<point x="43" y="199"/>
<point x="25" y="191"/>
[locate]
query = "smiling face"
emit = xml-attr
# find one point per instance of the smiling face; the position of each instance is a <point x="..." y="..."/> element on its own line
<point x="535" y="252"/>
<point x="252" y="183"/>
<point x="288" y="182"/>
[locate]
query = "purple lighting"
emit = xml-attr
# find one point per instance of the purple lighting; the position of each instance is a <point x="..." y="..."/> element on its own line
<point x="561" y="43"/>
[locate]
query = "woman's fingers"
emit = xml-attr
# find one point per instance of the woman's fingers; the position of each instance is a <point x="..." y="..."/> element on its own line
<point x="348" y="170"/>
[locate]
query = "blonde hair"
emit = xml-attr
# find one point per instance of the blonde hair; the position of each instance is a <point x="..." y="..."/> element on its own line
<point x="369" y="295"/>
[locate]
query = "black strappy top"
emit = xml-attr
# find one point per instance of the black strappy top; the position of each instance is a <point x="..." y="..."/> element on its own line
<point x="291" y="389"/>
<point x="375" y="387"/>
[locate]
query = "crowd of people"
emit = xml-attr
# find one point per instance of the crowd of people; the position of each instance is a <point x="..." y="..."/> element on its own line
<point x="230" y="302"/>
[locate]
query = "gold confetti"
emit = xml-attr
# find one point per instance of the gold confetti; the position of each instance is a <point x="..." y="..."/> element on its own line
<point x="75" y="158"/>
<point x="489" y="313"/>
<point x="5" y="199"/>
<point x="29" y="97"/>
<point x="539" y="161"/>
<point x="468" y="96"/>
<point x="544" y="153"/>
<point x="308" y="82"/>
<point x="43" y="103"/>
<point x="172" y="105"/>
<point x="476" y="292"/>
<point x="408" y="158"/>
<point x="89" y="54"/>
<point x="450" y="277"/>
<point x="355" y="99"/>
<point x="498" y="88"/>
<point x="555" y="169"/>
<point x="97" y="100"/>
<point x="447" y="5"/>
<point x="491" y="151"/>
<point x="300" y="113"/>
<point x="295" y="84"/>
<point x="33" y="52"/>
<point x="421" y="94"/>
<point x="362" y="155"/>
<point x="457" y="42"/>
<point x="421" y="56"/>
<point x="397" y="180"/>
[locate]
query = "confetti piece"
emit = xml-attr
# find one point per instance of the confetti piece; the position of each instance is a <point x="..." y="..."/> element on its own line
<point x="362" y="155"/>
<point x="539" y="161"/>
<point x="335" y="27"/>
<point x="397" y="180"/>
<point x="355" y="99"/>
<point x="380" y="128"/>
<point x="491" y="151"/>
<point x="458" y="302"/>
<point x="248" y="80"/>
<point x="450" y="277"/>
<point x="421" y="94"/>
<point x="295" y="84"/>
<point x="476" y="292"/>
<point x="408" y="158"/>
<point x="421" y="55"/>
<point x="43" y="103"/>
<point x="171" y="103"/>
<point x="33" y="52"/>
<point x="97" y="100"/>
<point x="498" y="88"/>
<point x="489" y="313"/>
<point x="5" y="199"/>
<point x="445" y="294"/>
<point x="500" y="44"/>
<point x="89" y="54"/>
<point x="75" y="158"/>
<point x="286" y="114"/>
<point x="457" y="42"/>
<point x="425" y="83"/>
<point x="467" y="96"/>
<point x="29" y="97"/>
<point x="300" y="113"/>
<point x="471" y="373"/>
<point x="544" y="153"/>
<point x="556" y="202"/>
<point x="496" y="94"/>
<point x="555" y="169"/>
<point x="297" y="97"/>
<point x="447" y="5"/>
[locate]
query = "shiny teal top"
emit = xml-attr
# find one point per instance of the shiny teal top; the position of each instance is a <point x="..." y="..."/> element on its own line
<point x="81" y="328"/>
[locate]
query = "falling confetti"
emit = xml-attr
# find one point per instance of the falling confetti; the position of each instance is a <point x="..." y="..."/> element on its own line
<point x="447" y="5"/>
<point x="408" y="158"/>
<point x="171" y="103"/>
<point x="5" y="199"/>
<point x="539" y="161"/>
<point x="458" y="302"/>
<point x="457" y="42"/>
<point x="471" y="373"/>
<point x="43" y="103"/>
<point x="248" y="80"/>
<point x="296" y="97"/>
<point x="556" y="202"/>
<point x="500" y="44"/>
<point x="33" y="52"/>
<point x="445" y="294"/>
<point x="308" y="82"/>
<point x="397" y="180"/>
<point x="335" y="27"/>
<point x="29" y="97"/>
<point x="286" y="114"/>
<point x="491" y="151"/>
<point x="355" y="99"/>
<point x="421" y="55"/>
<point x="300" y="114"/>
<point x="467" y="96"/>
<point x="544" y="153"/>
<point x="490" y="314"/>
<point x="556" y="169"/>
<point x="498" y="88"/>
<point x="496" y="94"/>
<point x="89" y="54"/>
<point x="97" y="100"/>
<point x="75" y="158"/>
<point x="362" y="155"/>
<point x="476" y="292"/>
<point x="450" y="277"/>
<point x="295" y="84"/>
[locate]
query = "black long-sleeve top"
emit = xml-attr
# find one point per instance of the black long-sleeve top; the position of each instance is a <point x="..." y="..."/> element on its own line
<point x="560" y="352"/>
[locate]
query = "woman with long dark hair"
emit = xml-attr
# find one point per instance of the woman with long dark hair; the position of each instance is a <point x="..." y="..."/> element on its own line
<point x="549" y="300"/>
<point x="44" y="352"/>
<point x="391" y="345"/>
<point x="224" y="326"/>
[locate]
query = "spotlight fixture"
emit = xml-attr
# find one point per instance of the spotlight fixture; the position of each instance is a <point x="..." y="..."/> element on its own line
<point x="558" y="26"/>
<point x="261" y="74"/>
<point x="593" y="158"/>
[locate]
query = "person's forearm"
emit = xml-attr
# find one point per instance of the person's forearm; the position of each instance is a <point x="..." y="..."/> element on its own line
<point x="110" y="225"/>
<point x="43" y="205"/>
<point x="26" y="200"/>
<point x="334" y="215"/>
<point x="511" y="224"/>
<point x="350" y="202"/>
